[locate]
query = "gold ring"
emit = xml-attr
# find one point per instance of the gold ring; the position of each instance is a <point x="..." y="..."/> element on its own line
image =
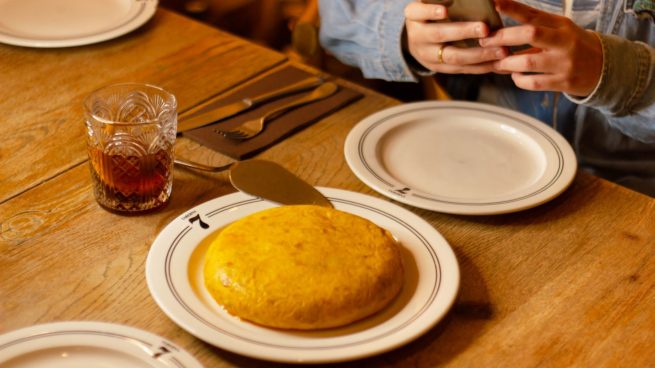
<point x="440" y="54"/>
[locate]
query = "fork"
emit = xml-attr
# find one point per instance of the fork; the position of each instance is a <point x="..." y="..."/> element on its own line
<point x="251" y="128"/>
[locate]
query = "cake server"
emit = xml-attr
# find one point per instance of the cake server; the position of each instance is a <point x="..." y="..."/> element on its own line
<point x="267" y="180"/>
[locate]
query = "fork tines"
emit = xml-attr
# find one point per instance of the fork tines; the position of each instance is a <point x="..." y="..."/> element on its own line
<point x="236" y="134"/>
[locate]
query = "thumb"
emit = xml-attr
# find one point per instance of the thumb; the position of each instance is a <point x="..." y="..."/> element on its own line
<point x="419" y="12"/>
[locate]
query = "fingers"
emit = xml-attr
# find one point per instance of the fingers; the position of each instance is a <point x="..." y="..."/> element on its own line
<point x="526" y="14"/>
<point x="525" y="34"/>
<point x="562" y="56"/>
<point x="526" y="63"/>
<point x="467" y="56"/>
<point x="455" y="58"/>
<point x="535" y="71"/>
<point x="538" y="28"/>
<point x="426" y="33"/>
<point x="539" y="82"/>
<point x="419" y="12"/>
<point x="450" y="31"/>
<point x="482" y="68"/>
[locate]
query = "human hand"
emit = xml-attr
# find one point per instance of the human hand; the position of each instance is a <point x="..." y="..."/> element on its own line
<point x="427" y="41"/>
<point x="566" y="57"/>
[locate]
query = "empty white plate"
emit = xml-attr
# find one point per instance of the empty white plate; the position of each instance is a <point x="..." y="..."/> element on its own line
<point x="89" y="344"/>
<point x="63" y="23"/>
<point x="460" y="157"/>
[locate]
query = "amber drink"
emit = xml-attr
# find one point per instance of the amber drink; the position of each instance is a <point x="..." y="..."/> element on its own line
<point x="131" y="131"/>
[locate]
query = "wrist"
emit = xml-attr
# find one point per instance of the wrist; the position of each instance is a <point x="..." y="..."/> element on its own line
<point x="601" y="74"/>
<point x="413" y="64"/>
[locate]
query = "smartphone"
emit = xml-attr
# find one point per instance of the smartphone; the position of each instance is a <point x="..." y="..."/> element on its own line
<point x="471" y="11"/>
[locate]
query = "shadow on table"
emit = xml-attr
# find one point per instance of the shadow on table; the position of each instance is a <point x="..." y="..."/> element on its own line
<point x="583" y="192"/>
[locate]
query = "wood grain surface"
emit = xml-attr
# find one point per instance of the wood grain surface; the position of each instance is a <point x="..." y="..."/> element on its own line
<point x="42" y="91"/>
<point x="569" y="283"/>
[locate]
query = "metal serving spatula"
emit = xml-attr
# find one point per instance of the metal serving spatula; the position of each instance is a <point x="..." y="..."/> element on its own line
<point x="268" y="180"/>
<point x="271" y="181"/>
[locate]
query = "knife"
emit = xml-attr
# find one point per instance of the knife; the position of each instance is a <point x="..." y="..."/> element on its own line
<point x="196" y="118"/>
<point x="267" y="180"/>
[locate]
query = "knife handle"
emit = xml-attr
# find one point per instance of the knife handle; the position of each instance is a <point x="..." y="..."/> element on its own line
<point x="300" y="86"/>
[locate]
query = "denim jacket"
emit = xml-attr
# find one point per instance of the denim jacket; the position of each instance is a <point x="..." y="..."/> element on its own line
<point x="612" y="130"/>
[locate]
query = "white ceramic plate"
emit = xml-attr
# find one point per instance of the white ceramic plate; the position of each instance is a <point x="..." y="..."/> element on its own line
<point x="460" y="157"/>
<point x="174" y="275"/>
<point x="89" y="344"/>
<point x="63" y="23"/>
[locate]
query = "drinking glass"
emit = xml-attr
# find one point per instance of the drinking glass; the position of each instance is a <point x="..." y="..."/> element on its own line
<point x="131" y="131"/>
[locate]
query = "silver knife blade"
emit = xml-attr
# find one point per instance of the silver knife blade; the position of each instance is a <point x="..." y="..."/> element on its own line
<point x="271" y="181"/>
<point x="194" y="118"/>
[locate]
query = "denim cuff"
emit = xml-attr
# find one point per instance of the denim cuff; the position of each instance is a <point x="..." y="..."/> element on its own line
<point x="392" y="26"/>
<point x="624" y="76"/>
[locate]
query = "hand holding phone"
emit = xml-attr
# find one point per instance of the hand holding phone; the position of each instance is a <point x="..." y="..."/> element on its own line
<point x="471" y="11"/>
<point x="438" y="43"/>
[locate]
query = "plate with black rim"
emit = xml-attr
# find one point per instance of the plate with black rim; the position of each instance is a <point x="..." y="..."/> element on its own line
<point x="174" y="276"/>
<point x="460" y="157"/>
<point x="65" y="23"/>
<point x="89" y="344"/>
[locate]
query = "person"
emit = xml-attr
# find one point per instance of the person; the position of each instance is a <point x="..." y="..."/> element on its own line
<point x="585" y="67"/>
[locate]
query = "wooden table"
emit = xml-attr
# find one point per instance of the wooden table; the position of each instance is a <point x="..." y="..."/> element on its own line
<point x="571" y="282"/>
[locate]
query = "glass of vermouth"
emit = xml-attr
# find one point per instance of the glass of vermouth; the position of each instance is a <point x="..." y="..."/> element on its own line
<point x="131" y="131"/>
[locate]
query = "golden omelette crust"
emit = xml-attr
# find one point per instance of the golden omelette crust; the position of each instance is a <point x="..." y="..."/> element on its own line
<point x="303" y="267"/>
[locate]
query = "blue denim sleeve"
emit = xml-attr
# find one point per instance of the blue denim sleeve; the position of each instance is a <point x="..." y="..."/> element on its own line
<point x="366" y="34"/>
<point x="626" y="92"/>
